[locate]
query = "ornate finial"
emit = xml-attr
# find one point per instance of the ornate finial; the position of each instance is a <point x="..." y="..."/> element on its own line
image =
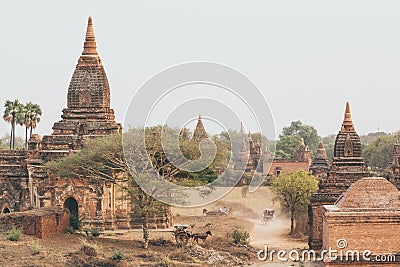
<point x="89" y="48"/>
<point x="348" y="124"/>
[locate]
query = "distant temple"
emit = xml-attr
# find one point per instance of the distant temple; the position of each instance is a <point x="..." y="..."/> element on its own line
<point x="248" y="158"/>
<point x="320" y="164"/>
<point x="394" y="166"/>
<point x="199" y="132"/>
<point x="24" y="185"/>
<point x="277" y="166"/>
<point x="251" y="159"/>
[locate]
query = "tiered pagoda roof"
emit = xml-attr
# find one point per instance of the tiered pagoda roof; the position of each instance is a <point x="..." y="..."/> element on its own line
<point x="88" y="113"/>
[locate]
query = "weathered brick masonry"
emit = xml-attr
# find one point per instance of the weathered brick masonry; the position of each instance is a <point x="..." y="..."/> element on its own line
<point x="42" y="223"/>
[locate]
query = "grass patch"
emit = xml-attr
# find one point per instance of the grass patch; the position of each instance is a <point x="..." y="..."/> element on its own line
<point x="35" y="248"/>
<point x="14" y="234"/>
<point x="117" y="256"/>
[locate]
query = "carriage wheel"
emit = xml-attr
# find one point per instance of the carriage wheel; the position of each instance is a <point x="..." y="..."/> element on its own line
<point x="181" y="238"/>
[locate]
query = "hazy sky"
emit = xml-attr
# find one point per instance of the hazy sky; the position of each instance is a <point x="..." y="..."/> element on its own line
<point x="307" y="57"/>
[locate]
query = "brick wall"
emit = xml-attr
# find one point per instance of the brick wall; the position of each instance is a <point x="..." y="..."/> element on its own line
<point x="378" y="232"/>
<point x="42" y="223"/>
<point x="286" y="166"/>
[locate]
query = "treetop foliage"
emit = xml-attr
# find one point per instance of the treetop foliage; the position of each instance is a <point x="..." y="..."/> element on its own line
<point x="378" y="153"/>
<point x="290" y="139"/>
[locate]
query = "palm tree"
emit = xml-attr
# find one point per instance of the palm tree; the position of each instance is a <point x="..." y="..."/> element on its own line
<point x="31" y="118"/>
<point x="12" y="115"/>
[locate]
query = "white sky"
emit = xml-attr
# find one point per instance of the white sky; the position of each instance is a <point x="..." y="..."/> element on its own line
<point x="307" y="57"/>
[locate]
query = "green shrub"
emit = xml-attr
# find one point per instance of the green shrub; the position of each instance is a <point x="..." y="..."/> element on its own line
<point x="119" y="256"/>
<point x="167" y="260"/>
<point x="241" y="237"/>
<point x="95" y="232"/>
<point x="35" y="248"/>
<point x="14" y="234"/>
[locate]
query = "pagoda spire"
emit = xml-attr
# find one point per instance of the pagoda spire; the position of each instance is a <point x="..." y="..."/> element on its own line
<point x="250" y="141"/>
<point x="321" y="152"/>
<point x="348" y="124"/>
<point x="199" y="132"/>
<point x="89" y="47"/>
<point x="241" y="129"/>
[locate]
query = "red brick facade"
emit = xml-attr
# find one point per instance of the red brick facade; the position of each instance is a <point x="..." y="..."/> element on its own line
<point x="41" y="223"/>
<point x="367" y="216"/>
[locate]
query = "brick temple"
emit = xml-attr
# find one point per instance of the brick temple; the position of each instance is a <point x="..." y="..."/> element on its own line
<point x="394" y="165"/>
<point x="24" y="185"/>
<point x="277" y="166"/>
<point x="348" y="166"/>
<point x="367" y="217"/>
<point x="249" y="155"/>
<point x="251" y="159"/>
<point x="88" y="113"/>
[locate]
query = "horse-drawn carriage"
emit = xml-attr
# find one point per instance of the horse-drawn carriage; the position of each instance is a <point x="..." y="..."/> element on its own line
<point x="221" y="211"/>
<point x="267" y="216"/>
<point x="182" y="235"/>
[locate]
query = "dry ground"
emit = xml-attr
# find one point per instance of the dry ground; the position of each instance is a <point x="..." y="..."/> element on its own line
<point x="218" y="250"/>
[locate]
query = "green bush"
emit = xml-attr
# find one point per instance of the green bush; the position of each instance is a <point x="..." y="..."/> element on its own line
<point x="35" y="248"/>
<point x="14" y="234"/>
<point x="118" y="256"/>
<point x="167" y="260"/>
<point x="241" y="237"/>
<point x="95" y="232"/>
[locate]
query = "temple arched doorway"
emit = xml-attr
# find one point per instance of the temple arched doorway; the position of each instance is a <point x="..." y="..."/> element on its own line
<point x="72" y="205"/>
<point x="5" y="210"/>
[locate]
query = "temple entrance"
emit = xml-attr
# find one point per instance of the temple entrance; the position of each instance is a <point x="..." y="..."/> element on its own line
<point x="6" y="210"/>
<point x="72" y="205"/>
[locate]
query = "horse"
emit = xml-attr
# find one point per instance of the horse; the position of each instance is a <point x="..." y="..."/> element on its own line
<point x="201" y="236"/>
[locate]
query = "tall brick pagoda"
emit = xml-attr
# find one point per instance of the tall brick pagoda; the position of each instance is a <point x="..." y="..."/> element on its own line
<point x="348" y="166"/>
<point x="25" y="185"/>
<point x="88" y="113"/>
